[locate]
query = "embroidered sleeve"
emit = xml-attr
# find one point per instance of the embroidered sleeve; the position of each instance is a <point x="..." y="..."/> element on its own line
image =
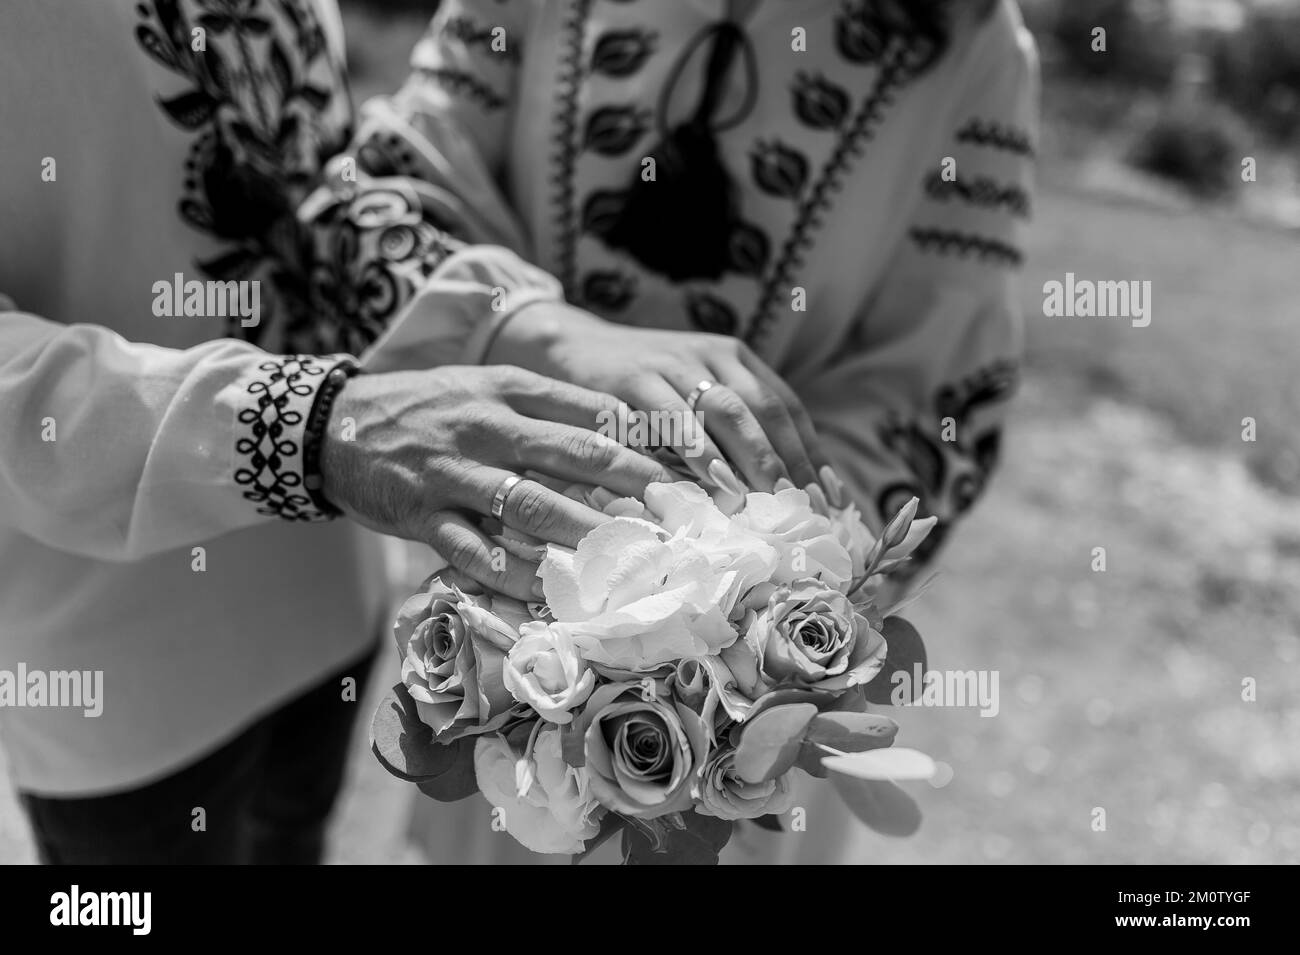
<point x="416" y="250"/>
<point x="270" y="425"/>
<point x="915" y="406"/>
<point x="448" y="125"/>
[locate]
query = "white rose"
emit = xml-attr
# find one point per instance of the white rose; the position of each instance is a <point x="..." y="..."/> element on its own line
<point x="806" y="543"/>
<point x="634" y="596"/>
<point x="557" y="814"/>
<point x="545" y="670"/>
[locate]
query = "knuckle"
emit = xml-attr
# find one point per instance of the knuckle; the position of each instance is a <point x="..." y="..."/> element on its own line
<point x="460" y="549"/>
<point x="769" y="464"/>
<point x="769" y="407"/>
<point x="591" y="451"/>
<point x="731" y="407"/>
<point x="532" y="507"/>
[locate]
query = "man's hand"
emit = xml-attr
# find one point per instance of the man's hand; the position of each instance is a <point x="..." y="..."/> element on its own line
<point x="432" y="448"/>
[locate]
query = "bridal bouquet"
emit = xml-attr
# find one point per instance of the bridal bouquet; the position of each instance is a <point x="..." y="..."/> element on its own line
<point x="689" y="658"/>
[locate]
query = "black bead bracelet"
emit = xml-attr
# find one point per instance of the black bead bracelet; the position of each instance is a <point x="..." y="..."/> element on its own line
<point x="314" y="433"/>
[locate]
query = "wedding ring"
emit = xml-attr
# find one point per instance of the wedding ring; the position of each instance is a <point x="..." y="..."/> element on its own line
<point x="503" y="492"/>
<point x="696" y="393"/>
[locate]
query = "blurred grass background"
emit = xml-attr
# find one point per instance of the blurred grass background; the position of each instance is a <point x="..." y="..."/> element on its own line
<point x="1120" y="690"/>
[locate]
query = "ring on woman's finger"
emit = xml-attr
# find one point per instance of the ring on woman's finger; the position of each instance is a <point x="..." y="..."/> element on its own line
<point x="503" y="492"/>
<point x="697" y="393"/>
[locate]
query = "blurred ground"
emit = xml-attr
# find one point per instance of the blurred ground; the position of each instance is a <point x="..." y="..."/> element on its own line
<point x="1120" y="690"/>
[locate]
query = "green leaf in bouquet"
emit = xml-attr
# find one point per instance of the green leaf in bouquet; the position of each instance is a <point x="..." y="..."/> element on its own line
<point x="573" y="746"/>
<point x="403" y="743"/>
<point x="770" y="742"/>
<point x="845" y="732"/>
<point x="880" y="804"/>
<point x="688" y="839"/>
<point x="780" y="698"/>
<point x="459" y="779"/>
<point x="771" y="822"/>
<point x="865" y="781"/>
<point x="888" y="764"/>
<point x="905" y="654"/>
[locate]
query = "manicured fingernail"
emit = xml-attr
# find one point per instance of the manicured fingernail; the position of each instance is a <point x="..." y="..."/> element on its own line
<point x="783" y="484"/>
<point x="724" y="478"/>
<point x="834" y="486"/>
<point x="818" y="499"/>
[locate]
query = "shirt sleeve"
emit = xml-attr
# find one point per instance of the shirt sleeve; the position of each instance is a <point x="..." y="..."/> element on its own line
<point x="413" y="238"/>
<point x="119" y="450"/>
<point x="916" y="405"/>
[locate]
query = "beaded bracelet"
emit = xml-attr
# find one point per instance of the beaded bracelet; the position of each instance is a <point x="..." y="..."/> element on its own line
<point x="314" y="433"/>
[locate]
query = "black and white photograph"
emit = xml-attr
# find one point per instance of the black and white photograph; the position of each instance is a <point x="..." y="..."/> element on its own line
<point x="651" y="432"/>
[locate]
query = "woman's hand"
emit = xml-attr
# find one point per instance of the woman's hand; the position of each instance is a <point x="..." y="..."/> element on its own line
<point x="432" y="449"/>
<point x="750" y="416"/>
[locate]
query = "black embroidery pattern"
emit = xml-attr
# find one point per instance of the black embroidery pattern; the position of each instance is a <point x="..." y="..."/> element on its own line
<point x="464" y="84"/>
<point x="471" y="34"/>
<point x="778" y="169"/>
<point x="610" y="290"/>
<point x="563" y="151"/>
<point x="613" y="130"/>
<point x="262" y="132"/>
<point x="893" y="74"/>
<point x="965" y="245"/>
<point x="996" y="136"/>
<point x="709" y="313"/>
<point x="819" y="103"/>
<point x="982" y="191"/>
<point x="621" y="53"/>
<point x="272" y="455"/>
<point x="948" y="476"/>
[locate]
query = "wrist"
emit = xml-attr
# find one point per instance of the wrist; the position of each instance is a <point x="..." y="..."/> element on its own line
<point x="319" y="433"/>
<point x="531" y="331"/>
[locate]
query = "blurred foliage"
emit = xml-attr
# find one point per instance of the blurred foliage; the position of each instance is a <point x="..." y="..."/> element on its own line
<point x="1142" y="48"/>
<point x="1196" y="144"/>
<point x="1258" y="70"/>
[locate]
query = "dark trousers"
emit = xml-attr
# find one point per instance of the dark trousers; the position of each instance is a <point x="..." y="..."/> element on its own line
<point x="265" y="796"/>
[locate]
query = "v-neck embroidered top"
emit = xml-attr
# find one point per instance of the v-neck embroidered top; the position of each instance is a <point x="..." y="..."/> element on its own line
<point x="883" y="198"/>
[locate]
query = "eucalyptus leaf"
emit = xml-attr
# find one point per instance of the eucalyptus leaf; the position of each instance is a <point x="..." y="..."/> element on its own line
<point x="846" y="732"/>
<point x="770" y="742"/>
<point x="905" y="651"/>
<point x="880" y="804"/>
<point x="459" y="780"/>
<point x="889" y="764"/>
<point x="403" y="743"/>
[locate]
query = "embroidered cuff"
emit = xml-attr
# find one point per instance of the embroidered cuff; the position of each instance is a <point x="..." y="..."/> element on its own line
<point x="271" y="424"/>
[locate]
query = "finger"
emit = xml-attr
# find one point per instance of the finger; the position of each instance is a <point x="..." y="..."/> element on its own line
<point x="798" y="413"/>
<point x="548" y="399"/>
<point x="587" y="456"/>
<point x="534" y="509"/>
<point x="677" y="426"/>
<point x="472" y="553"/>
<point x="730" y="423"/>
<point x="771" y="411"/>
